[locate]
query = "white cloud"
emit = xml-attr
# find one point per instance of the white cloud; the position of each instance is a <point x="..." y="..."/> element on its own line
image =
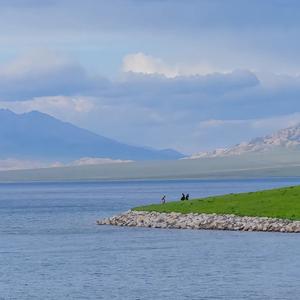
<point x="62" y="107"/>
<point x="147" y="64"/>
<point x="35" y="62"/>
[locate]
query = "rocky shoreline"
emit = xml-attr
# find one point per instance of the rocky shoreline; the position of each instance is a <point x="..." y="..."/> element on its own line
<point x="201" y="221"/>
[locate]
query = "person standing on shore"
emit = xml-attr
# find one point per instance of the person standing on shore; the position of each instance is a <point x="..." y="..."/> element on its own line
<point x="187" y="196"/>
<point x="183" y="197"/>
<point x="163" y="199"/>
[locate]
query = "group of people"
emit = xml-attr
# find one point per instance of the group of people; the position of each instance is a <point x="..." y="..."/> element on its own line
<point x="183" y="197"/>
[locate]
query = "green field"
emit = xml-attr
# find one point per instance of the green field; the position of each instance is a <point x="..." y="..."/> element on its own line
<point x="281" y="203"/>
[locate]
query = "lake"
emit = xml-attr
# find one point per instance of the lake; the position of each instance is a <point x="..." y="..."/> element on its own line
<point x="51" y="247"/>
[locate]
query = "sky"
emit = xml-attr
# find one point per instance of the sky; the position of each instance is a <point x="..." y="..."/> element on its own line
<point x="190" y="75"/>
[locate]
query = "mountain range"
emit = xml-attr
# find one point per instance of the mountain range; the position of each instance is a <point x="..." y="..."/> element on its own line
<point x="38" y="136"/>
<point x="288" y="138"/>
<point x="34" y="140"/>
<point x="88" y="156"/>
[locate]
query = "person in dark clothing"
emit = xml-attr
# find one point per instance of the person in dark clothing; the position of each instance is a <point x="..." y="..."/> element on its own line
<point x="183" y="197"/>
<point x="163" y="199"/>
<point x="187" y="196"/>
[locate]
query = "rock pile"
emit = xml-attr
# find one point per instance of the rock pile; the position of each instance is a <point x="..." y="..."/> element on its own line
<point x="201" y="221"/>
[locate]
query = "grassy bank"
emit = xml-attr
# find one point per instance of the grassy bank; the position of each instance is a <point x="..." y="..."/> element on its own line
<point x="281" y="203"/>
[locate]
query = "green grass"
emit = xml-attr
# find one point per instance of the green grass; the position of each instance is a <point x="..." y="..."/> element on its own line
<point x="281" y="203"/>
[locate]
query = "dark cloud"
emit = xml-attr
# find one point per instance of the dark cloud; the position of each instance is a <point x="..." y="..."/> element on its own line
<point x="44" y="73"/>
<point x="157" y="90"/>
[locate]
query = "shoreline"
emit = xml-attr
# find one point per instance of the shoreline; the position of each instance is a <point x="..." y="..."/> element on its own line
<point x="203" y="221"/>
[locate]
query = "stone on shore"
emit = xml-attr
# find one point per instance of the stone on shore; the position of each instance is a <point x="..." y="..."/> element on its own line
<point x="201" y="221"/>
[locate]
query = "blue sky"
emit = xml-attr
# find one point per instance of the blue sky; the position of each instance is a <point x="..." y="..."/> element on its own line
<point x="192" y="75"/>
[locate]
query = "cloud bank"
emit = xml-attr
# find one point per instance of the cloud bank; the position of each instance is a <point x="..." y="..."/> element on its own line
<point x="151" y="103"/>
<point x="44" y="73"/>
<point x="218" y="35"/>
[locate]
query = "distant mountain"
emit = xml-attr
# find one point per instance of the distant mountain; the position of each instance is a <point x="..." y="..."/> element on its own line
<point x="288" y="138"/>
<point x="38" y="136"/>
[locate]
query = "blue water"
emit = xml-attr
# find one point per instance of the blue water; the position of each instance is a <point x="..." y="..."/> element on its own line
<point x="50" y="247"/>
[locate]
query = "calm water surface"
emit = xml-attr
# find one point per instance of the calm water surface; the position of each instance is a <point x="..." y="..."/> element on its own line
<point x="50" y="247"/>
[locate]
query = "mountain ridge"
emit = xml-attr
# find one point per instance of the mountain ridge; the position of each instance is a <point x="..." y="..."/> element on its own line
<point x="36" y="135"/>
<point x="284" y="138"/>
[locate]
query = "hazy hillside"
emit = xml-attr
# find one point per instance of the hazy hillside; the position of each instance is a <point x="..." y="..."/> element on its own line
<point x="288" y="138"/>
<point x="38" y="136"/>
<point x="275" y="163"/>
